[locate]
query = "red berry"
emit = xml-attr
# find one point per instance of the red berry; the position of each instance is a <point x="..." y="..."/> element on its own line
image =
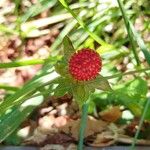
<point x="85" y="64"/>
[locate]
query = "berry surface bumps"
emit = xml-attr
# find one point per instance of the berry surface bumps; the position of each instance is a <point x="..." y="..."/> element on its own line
<point x="85" y="64"/>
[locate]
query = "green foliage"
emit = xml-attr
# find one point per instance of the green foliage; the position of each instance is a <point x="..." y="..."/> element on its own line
<point x="88" y="24"/>
<point x="133" y="35"/>
<point x="100" y="83"/>
<point x="81" y="93"/>
<point x="68" y="48"/>
<point x="9" y="123"/>
<point x="13" y="139"/>
<point x="63" y="87"/>
<point x="61" y="66"/>
<point x="34" y="10"/>
<point x="20" y="104"/>
<point x="132" y="95"/>
<point x="147" y="112"/>
<point x="80" y="90"/>
<point x="93" y="35"/>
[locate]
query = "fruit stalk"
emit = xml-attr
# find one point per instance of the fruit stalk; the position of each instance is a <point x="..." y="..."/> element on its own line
<point x="83" y="124"/>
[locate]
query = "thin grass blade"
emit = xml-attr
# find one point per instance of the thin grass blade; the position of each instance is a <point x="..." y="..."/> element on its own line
<point x="134" y="36"/>
<point x="82" y="24"/>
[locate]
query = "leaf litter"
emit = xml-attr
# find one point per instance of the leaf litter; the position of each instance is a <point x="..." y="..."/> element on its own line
<point x="60" y="130"/>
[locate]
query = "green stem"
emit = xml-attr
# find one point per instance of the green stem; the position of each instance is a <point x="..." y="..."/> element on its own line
<point x="53" y="60"/>
<point x="83" y="124"/>
<point x="146" y="107"/>
<point x="127" y="73"/>
<point x="129" y="32"/>
<point x="22" y="63"/>
<point x="9" y="88"/>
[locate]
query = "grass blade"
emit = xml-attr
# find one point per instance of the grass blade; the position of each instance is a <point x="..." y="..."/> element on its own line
<point x="134" y="36"/>
<point x="8" y="122"/>
<point x="127" y="73"/>
<point x="28" y="89"/>
<point x="62" y="34"/>
<point x="27" y="27"/>
<point x="146" y="107"/>
<point x="4" y="29"/>
<point x="9" y="88"/>
<point x="37" y="9"/>
<point x="92" y="34"/>
<point x="126" y="20"/>
<point x="22" y="63"/>
<point x="28" y="62"/>
<point x="141" y="43"/>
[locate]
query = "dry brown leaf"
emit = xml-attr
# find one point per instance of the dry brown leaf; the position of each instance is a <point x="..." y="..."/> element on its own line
<point x="103" y="139"/>
<point x="36" y="138"/>
<point x="46" y="110"/>
<point x="47" y="122"/>
<point x="72" y="147"/>
<point x="59" y="138"/>
<point x="61" y="121"/>
<point x="107" y="137"/>
<point x="59" y="147"/>
<point x="112" y="114"/>
<point x="93" y="126"/>
<point x="52" y="147"/>
<point x="125" y="139"/>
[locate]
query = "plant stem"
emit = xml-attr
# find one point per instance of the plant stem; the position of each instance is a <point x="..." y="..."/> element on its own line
<point x="131" y="36"/>
<point x="146" y="107"/>
<point x="83" y="124"/>
<point x="127" y="73"/>
<point x="9" y="88"/>
<point x="22" y="63"/>
<point x="12" y="64"/>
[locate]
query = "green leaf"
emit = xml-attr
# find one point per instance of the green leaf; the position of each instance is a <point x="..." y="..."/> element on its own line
<point x="37" y="9"/>
<point x="137" y="87"/>
<point x="61" y="68"/>
<point x="13" y="139"/>
<point x="92" y="107"/>
<point x="28" y="89"/>
<point x="63" y="87"/>
<point x="131" y="94"/>
<point x="100" y="99"/>
<point x="100" y="83"/>
<point x="10" y="121"/>
<point x="147" y="114"/>
<point x="68" y="48"/>
<point x="81" y="93"/>
<point x="141" y="43"/>
<point x="66" y="30"/>
<point x="131" y="102"/>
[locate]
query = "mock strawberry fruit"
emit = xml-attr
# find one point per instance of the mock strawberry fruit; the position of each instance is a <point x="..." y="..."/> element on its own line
<point x="85" y="64"/>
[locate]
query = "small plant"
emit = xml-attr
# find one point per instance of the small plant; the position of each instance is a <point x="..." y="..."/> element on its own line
<point x="79" y="70"/>
<point x="93" y="30"/>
